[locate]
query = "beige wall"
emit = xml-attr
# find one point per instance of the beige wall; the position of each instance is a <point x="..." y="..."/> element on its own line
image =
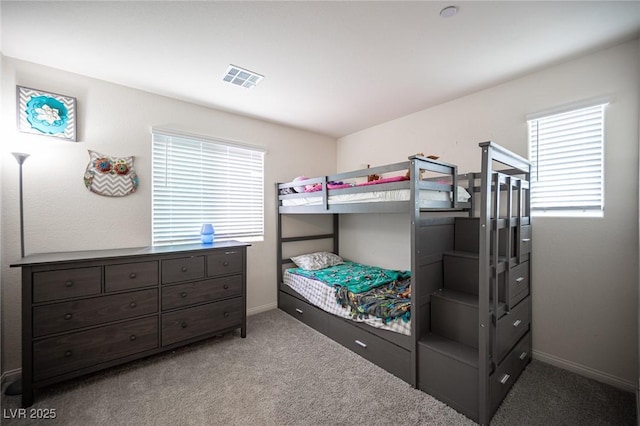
<point x="584" y="270"/>
<point x="62" y="215"/>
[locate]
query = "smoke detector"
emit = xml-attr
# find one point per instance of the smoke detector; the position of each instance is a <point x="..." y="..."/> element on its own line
<point x="242" y="77"/>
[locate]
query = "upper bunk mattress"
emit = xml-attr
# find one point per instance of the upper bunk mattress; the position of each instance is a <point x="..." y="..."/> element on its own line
<point x="426" y="196"/>
<point x="323" y="296"/>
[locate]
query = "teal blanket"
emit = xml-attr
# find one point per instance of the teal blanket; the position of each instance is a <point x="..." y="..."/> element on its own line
<point x="355" y="277"/>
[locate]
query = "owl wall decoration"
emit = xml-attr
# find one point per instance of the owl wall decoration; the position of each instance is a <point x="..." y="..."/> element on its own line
<point x="110" y="176"/>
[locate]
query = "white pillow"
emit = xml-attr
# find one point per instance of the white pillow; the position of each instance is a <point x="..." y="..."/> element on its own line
<point x="317" y="260"/>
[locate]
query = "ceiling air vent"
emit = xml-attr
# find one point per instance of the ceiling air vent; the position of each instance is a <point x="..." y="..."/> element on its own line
<point x="242" y="77"/>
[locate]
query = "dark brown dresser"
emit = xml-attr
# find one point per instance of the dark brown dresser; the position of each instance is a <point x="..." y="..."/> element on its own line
<point x="90" y="310"/>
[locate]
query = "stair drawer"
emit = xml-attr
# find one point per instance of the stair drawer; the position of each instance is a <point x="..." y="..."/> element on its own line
<point x="62" y="354"/>
<point x="177" y="296"/>
<point x="201" y="320"/>
<point x="518" y="284"/>
<point x="511" y="327"/>
<point x="392" y="358"/>
<point x="304" y="312"/>
<point x="66" y="316"/>
<point x="525" y="239"/>
<point x="501" y="381"/>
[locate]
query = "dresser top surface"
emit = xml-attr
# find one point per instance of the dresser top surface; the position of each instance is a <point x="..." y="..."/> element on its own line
<point x="73" y="256"/>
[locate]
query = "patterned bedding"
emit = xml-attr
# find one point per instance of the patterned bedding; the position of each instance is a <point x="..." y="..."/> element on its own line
<point x="362" y="292"/>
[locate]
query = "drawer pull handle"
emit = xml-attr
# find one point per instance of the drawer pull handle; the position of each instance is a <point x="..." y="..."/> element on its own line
<point x="526" y="240"/>
<point x="184" y="269"/>
<point x="517" y="323"/>
<point x="226" y="314"/>
<point x="68" y="316"/>
<point x="67" y="354"/>
<point x="68" y="283"/>
<point x="226" y="286"/>
<point x="230" y="252"/>
<point x="299" y="311"/>
<point x="519" y="279"/>
<point x="523" y="355"/>
<point x="359" y="343"/>
<point x="132" y="275"/>
<point x="132" y="337"/>
<point x="225" y="263"/>
<point x="505" y="379"/>
<point x="183" y="325"/>
<point x="183" y="294"/>
<point x="133" y="304"/>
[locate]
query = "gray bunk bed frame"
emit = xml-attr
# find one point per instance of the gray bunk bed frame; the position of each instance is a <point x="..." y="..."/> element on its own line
<point x="491" y="230"/>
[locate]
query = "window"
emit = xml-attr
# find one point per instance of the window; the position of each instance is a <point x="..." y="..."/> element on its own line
<point x="567" y="156"/>
<point x="200" y="180"/>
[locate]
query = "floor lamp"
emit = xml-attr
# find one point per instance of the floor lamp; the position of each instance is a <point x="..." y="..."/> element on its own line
<point x="15" y="388"/>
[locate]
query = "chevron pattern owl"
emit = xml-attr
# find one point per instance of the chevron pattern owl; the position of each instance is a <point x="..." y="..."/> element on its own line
<point x="110" y="176"/>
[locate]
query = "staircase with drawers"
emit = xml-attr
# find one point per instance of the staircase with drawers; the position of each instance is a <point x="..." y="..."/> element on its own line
<point x="451" y="365"/>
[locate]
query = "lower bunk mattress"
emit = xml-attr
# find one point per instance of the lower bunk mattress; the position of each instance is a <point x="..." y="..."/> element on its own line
<point x="324" y="297"/>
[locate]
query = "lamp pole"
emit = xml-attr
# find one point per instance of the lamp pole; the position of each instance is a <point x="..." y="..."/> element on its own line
<point x="15" y="388"/>
<point x="21" y="157"/>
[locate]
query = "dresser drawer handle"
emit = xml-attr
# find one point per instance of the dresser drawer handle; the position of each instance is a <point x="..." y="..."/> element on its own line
<point x="183" y="325"/>
<point x="225" y="263"/>
<point x="226" y="314"/>
<point x="183" y="294"/>
<point x="519" y="279"/>
<point x="68" y="316"/>
<point x="526" y="240"/>
<point x="523" y="355"/>
<point x="517" y="323"/>
<point x="132" y="275"/>
<point x="230" y="252"/>
<point x="67" y="354"/>
<point x="68" y="284"/>
<point x="133" y="304"/>
<point x="359" y="343"/>
<point x="505" y="379"/>
<point x="184" y="269"/>
<point x="226" y="286"/>
<point x="298" y="310"/>
<point x="132" y="337"/>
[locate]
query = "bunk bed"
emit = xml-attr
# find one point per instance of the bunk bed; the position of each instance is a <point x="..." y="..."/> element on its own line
<point x="470" y="241"/>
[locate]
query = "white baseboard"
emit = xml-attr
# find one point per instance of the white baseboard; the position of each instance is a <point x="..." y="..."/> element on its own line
<point x="585" y="371"/>
<point x="263" y="308"/>
<point x="9" y="377"/>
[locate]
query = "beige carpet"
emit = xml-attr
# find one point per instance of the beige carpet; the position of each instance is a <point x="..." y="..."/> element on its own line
<point x="285" y="373"/>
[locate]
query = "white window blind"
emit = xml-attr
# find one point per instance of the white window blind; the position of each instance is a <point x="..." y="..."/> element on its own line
<point x="205" y="181"/>
<point x="567" y="155"/>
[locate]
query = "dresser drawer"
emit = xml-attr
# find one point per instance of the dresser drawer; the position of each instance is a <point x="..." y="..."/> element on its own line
<point x="66" y="283"/>
<point x="512" y="327"/>
<point x="70" y="352"/>
<point x="66" y="316"/>
<point x="130" y="275"/>
<point x="501" y="381"/>
<point x="518" y="283"/>
<point x="193" y="322"/>
<point x="177" y="296"/>
<point x="392" y="358"/>
<point x="224" y="262"/>
<point x="182" y="269"/>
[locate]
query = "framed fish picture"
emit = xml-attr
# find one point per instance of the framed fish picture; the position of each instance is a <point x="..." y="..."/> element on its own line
<point x="47" y="114"/>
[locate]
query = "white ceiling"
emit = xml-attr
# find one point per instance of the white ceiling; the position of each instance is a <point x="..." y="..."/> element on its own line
<point x="330" y="67"/>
